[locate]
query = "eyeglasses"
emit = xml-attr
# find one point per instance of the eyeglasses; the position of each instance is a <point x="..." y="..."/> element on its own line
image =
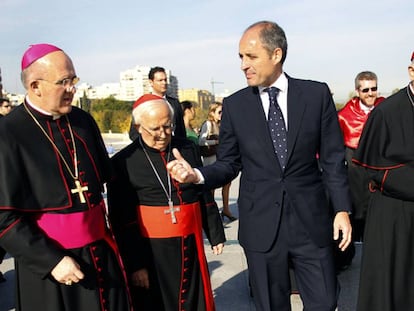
<point x="66" y="83"/>
<point x="366" y="90"/>
<point x="156" y="131"/>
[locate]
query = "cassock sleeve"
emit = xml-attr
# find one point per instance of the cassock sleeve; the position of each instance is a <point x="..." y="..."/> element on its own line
<point x="212" y="224"/>
<point x="18" y="234"/>
<point x="27" y="244"/>
<point x="392" y="178"/>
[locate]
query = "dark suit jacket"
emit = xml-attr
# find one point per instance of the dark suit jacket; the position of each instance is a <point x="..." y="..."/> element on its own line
<point x="179" y="130"/>
<point x="246" y="146"/>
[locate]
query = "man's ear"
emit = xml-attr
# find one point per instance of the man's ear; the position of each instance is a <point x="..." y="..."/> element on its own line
<point x="277" y="55"/>
<point x="34" y="87"/>
<point x="411" y="72"/>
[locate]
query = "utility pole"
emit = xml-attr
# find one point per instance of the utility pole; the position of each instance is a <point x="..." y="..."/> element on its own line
<point x="212" y="85"/>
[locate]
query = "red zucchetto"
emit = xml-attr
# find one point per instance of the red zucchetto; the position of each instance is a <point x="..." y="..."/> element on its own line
<point x="145" y="98"/>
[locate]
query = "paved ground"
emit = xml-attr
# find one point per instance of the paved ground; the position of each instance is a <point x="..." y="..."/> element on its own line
<point x="228" y="272"/>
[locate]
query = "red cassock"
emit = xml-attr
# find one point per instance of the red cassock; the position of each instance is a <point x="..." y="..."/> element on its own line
<point x="352" y="119"/>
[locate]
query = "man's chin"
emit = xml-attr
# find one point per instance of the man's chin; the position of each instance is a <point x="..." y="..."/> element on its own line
<point x="65" y="109"/>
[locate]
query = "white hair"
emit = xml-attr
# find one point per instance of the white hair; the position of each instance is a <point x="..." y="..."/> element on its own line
<point x="148" y="106"/>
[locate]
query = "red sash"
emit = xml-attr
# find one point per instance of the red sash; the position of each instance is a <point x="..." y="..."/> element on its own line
<point x="156" y="222"/>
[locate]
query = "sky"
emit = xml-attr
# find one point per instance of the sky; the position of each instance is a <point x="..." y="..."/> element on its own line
<point x="329" y="41"/>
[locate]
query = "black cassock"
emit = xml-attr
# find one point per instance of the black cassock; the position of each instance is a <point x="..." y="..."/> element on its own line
<point x="35" y="185"/>
<point x="173" y="262"/>
<point x="386" y="149"/>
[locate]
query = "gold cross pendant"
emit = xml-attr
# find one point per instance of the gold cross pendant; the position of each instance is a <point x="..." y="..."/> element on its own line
<point x="80" y="189"/>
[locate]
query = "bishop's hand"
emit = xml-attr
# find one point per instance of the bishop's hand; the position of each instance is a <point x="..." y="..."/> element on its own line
<point x="181" y="170"/>
<point x="67" y="271"/>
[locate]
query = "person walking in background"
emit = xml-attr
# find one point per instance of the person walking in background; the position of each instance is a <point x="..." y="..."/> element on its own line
<point x="208" y="141"/>
<point x="352" y="118"/>
<point x="52" y="214"/>
<point x="5" y="106"/>
<point x="5" y="109"/>
<point x="159" y="83"/>
<point x="159" y="222"/>
<point x="189" y="115"/>
<point x="272" y="136"/>
<point x="386" y="150"/>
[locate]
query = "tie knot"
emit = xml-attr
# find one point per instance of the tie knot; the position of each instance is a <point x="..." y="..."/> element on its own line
<point x="273" y="91"/>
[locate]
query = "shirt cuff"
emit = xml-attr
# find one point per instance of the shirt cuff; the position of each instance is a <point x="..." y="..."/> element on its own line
<point x="199" y="176"/>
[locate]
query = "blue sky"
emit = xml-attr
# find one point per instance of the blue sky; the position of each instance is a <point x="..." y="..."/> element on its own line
<point x="198" y="40"/>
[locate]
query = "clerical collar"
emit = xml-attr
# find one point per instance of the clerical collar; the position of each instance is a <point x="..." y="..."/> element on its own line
<point x="364" y="108"/>
<point x="44" y="112"/>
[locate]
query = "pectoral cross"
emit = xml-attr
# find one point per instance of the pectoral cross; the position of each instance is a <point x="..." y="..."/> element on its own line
<point x="172" y="211"/>
<point x="80" y="189"/>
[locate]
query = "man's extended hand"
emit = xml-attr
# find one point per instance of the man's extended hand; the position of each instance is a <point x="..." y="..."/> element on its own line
<point x="342" y="223"/>
<point x="67" y="271"/>
<point x="181" y="170"/>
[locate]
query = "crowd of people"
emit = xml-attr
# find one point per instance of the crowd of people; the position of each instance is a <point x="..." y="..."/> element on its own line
<point x="312" y="180"/>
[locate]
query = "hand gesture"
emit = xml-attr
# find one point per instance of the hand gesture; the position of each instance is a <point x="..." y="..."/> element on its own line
<point x="181" y="170"/>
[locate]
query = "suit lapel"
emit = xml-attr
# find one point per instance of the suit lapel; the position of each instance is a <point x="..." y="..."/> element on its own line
<point x="296" y="108"/>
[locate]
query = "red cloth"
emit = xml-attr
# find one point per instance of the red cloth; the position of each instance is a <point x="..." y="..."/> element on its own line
<point x="155" y="223"/>
<point x="352" y="120"/>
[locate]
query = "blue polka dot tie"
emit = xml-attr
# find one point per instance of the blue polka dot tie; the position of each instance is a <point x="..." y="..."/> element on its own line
<point x="277" y="127"/>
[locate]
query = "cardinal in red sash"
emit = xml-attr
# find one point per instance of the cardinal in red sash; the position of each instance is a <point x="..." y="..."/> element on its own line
<point x="157" y="221"/>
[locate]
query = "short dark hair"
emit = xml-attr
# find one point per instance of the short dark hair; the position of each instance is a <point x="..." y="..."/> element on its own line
<point x="272" y="36"/>
<point x="4" y="99"/>
<point x="186" y="104"/>
<point x="154" y="70"/>
<point x="365" y="75"/>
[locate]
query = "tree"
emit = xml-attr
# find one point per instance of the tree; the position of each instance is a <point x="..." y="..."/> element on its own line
<point x="111" y="114"/>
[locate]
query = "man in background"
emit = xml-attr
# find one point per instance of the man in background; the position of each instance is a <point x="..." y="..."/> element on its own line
<point x="159" y="83"/>
<point x="5" y="106"/>
<point x="352" y="118"/>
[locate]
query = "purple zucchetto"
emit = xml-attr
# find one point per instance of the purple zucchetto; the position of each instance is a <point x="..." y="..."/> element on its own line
<point x="36" y="51"/>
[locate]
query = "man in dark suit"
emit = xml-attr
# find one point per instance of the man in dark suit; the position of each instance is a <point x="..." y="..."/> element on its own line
<point x="159" y="83"/>
<point x="285" y="216"/>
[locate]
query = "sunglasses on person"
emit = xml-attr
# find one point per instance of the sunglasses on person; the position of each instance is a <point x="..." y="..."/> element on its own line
<point x="366" y="90"/>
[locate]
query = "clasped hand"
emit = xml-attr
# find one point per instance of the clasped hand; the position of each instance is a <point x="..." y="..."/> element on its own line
<point x="181" y="170"/>
<point x="67" y="271"/>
